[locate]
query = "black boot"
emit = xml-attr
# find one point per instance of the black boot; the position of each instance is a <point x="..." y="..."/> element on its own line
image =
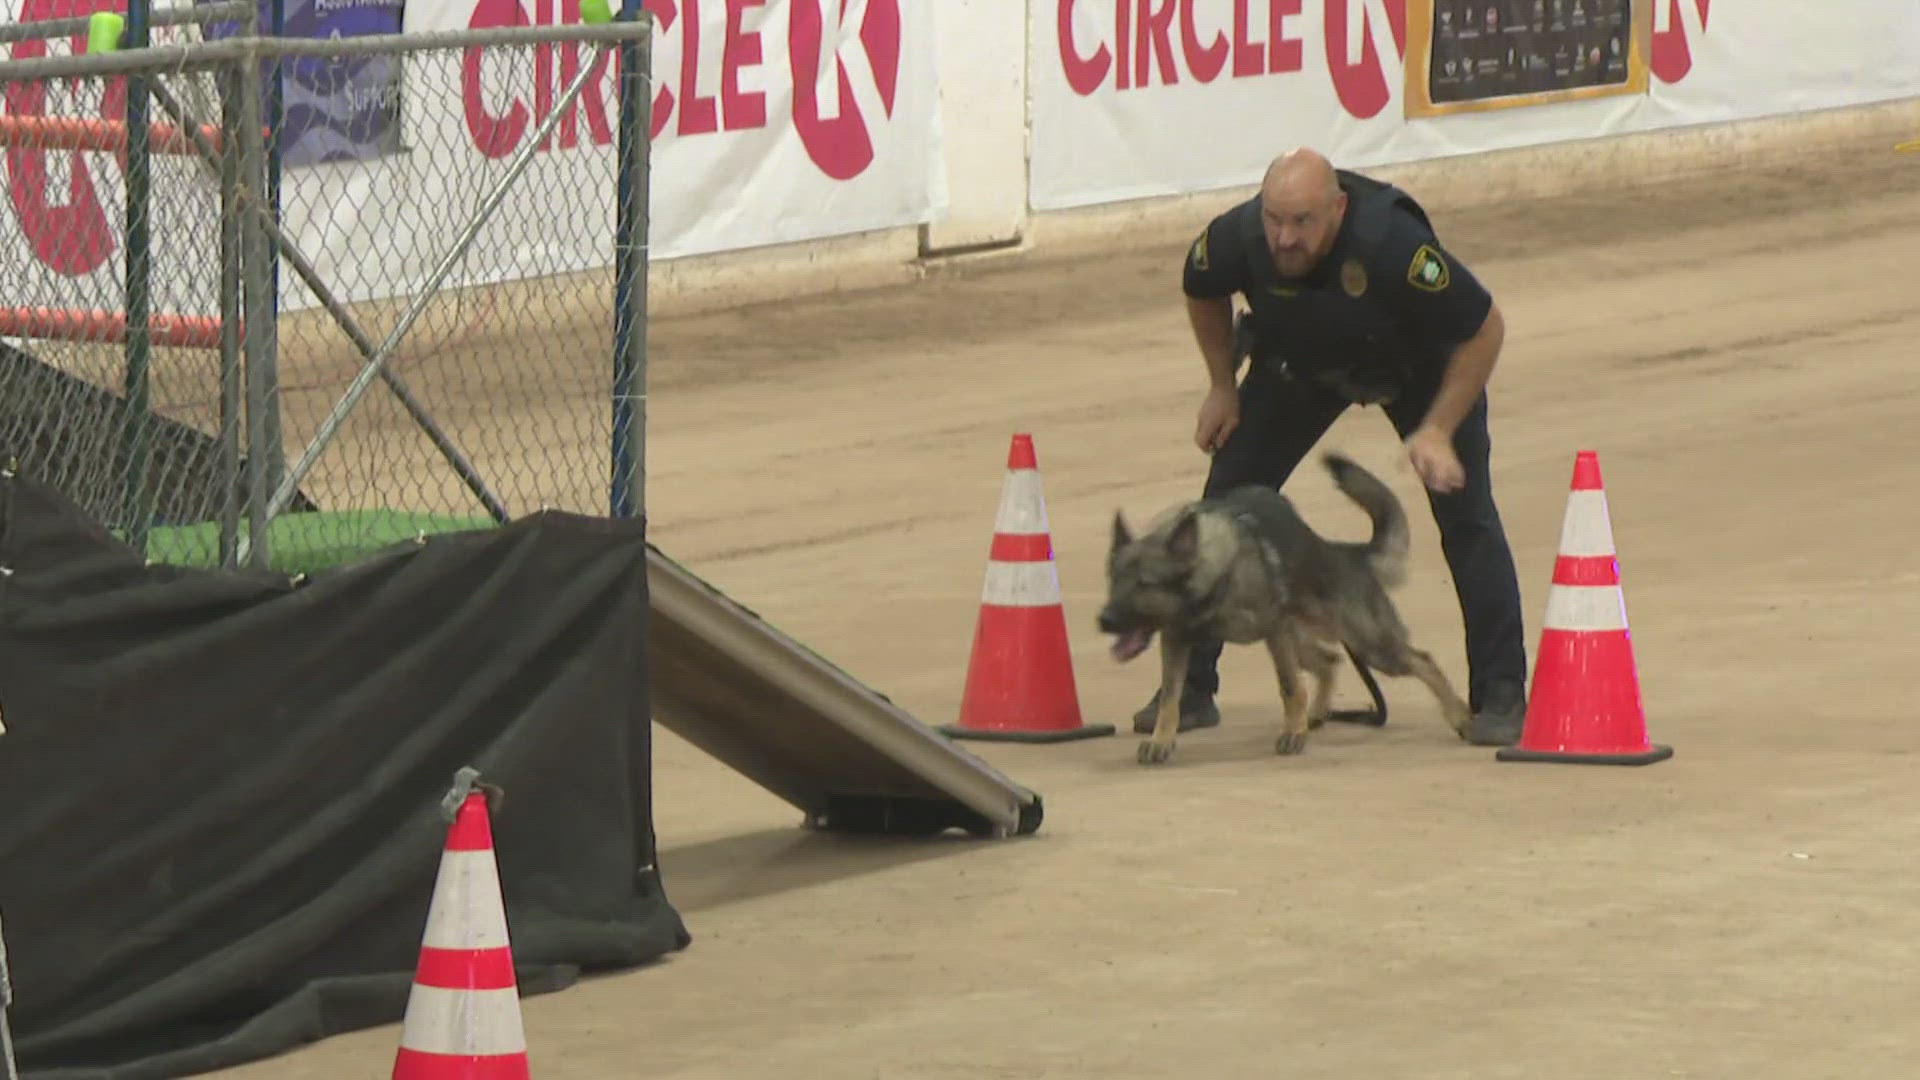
<point x="1197" y="710"/>
<point x="1499" y="715"/>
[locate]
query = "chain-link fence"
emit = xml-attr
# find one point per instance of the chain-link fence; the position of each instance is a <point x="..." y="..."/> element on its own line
<point x="439" y="323"/>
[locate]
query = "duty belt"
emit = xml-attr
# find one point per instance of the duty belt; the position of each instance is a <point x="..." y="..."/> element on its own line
<point x="1349" y="382"/>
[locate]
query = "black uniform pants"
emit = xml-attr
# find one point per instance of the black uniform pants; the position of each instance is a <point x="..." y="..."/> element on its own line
<point x="1282" y="416"/>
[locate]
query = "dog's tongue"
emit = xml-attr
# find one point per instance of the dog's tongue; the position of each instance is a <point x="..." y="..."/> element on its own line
<point x="1128" y="646"/>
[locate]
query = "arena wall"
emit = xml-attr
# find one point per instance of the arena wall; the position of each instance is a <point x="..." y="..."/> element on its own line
<point x="812" y="145"/>
<point x="1728" y="84"/>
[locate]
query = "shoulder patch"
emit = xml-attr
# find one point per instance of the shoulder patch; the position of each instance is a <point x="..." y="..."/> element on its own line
<point x="1198" y="255"/>
<point x="1428" y="270"/>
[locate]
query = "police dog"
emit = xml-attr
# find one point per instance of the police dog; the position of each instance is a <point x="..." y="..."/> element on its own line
<point x="1245" y="567"/>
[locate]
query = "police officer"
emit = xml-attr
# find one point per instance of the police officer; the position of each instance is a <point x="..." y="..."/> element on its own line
<point x="1351" y="299"/>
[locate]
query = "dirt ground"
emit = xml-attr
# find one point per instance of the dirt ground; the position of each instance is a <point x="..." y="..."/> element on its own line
<point x="1393" y="903"/>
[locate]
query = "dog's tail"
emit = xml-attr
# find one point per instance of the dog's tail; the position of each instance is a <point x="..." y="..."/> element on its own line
<point x="1387" y="549"/>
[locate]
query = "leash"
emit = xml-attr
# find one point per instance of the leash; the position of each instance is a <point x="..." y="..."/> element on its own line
<point x="1374" y="717"/>
<point x="1243" y="345"/>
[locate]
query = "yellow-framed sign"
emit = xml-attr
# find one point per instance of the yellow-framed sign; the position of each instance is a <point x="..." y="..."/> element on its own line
<point x="1474" y="55"/>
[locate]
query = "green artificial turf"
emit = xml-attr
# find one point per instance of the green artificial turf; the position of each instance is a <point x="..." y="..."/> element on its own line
<point x="309" y="542"/>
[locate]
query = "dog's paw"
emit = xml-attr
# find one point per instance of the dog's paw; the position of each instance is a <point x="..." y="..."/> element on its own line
<point x="1153" y="753"/>
<point x="1290" y="743"/>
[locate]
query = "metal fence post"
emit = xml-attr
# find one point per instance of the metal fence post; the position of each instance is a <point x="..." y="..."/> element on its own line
<point x="629" y="442"/>
<point x="275" y="118"/>
<point x="631" y="211"/>
<point x="138" y="288"/>
<point x="262" y="386"/>
<point x="231" y="317"/>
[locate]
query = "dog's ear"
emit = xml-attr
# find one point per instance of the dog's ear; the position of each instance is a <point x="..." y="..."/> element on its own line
<point x="1183" y="542"/>
<point x="1122" y="536"/>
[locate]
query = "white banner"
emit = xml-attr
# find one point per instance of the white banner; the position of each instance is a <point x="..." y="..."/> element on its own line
<point x="1137" y="98"/>
<point x="774" y="121"/>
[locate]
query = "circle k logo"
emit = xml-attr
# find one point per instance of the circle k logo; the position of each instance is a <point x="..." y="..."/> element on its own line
<point x="1352" y="38"/>
<point x="843" y="56"/>
<point x="1675" y="22"/>
<point x="840" y="139"/>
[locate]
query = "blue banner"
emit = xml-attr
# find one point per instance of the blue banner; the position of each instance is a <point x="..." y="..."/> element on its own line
<point x="345" y="109"/>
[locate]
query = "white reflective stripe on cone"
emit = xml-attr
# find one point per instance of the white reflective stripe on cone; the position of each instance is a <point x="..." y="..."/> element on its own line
<point x="1585" y="529"/>
<point x="1022" y="507"/>
<point x="481" y="1023"/>
<point x="1586" y="608"/>
<point x="1021" y="584"/>
<point x="466" y="914"/>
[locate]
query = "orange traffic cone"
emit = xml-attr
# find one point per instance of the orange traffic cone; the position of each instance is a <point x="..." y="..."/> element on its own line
<point x="1585" y="702"/>
<point x="1020" y="685"/>
<point x="463" y="1013"/>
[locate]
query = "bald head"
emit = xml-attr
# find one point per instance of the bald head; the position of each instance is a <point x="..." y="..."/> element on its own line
<point x="1301" y="208"/>
<point x="1300" y="173"/>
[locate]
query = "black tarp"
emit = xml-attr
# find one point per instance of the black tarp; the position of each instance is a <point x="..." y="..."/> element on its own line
<point x="66" y="430"/>
<point x="219" y="790"/>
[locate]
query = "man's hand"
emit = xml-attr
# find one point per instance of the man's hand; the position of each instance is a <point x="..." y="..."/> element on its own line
<point x="1431" y="451"/>
<point x="1430" y="447"/>
<point x="1212" y="319"/>
<point x="1219" y="415"/>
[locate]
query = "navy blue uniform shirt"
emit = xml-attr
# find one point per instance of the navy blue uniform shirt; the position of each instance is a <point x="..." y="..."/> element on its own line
<point x="1386" y="302"/>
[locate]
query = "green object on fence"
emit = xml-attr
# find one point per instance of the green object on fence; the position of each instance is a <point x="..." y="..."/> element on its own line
<point x="310" y="542"/>
<point x="103" y="31"/>
<point x="595" y="11"/>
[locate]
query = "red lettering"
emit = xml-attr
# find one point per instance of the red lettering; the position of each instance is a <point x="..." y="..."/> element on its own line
<point x="1143" y="43"/>
<point x="698" y="115"/>
<point x="78" y="237"/>
<point x="75" y="238"/>
<point x="569" y="129"/>
<point x="1205" y="63"/>
<point x="664" y="13"/>
<point x="1156" y="27"/>
<point x="743" y="110"/>
<point x="494" y="136"/>
<point x="880" y="37"/>
<point x="843" y="146"/>
<point x="1283" y="53"/>
<point x="1248" y="59"/>
<point x="543" y="69"/>
<point x="599" y="131"/>
<point x="1671" y="54"/>
<point x="1084" y="73"/>
<point x="1362" y="87"/>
